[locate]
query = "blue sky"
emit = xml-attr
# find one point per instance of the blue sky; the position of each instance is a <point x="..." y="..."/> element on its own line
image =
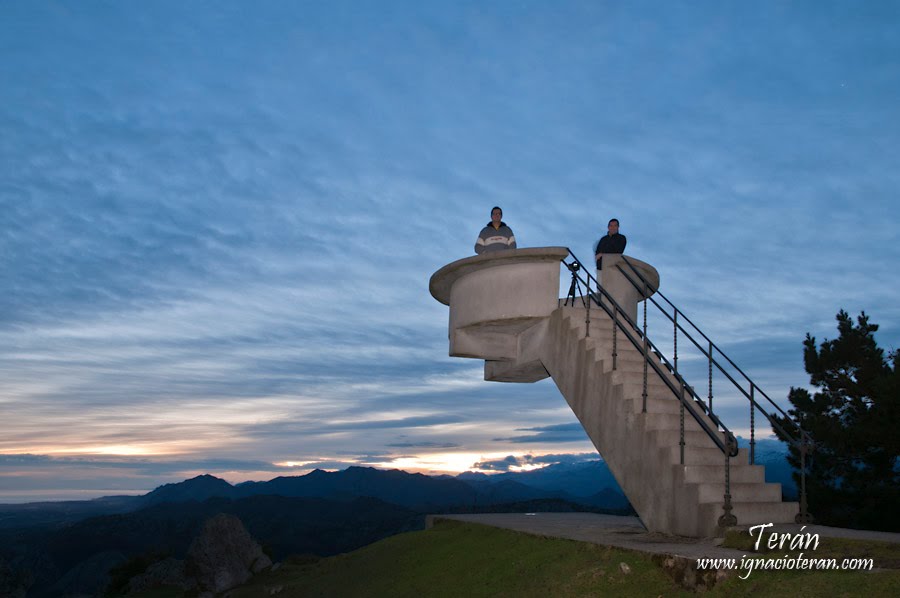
<point x="219" y="218"/>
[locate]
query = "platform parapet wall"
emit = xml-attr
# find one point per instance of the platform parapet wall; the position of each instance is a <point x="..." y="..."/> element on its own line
<point x="495" y="296"/>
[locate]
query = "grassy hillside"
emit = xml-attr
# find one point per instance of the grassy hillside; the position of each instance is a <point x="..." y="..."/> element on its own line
<point x="461" y="559"/>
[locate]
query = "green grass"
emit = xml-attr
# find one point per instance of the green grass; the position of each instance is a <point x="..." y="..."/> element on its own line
<point x="464" y="559"/>
<point x="834" y="584"/>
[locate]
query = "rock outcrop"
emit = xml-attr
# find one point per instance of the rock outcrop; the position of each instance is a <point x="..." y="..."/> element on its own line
<point x="224" y="555"/>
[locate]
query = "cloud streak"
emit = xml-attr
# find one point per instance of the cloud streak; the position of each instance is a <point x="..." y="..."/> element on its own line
<point x="218" y="222"/>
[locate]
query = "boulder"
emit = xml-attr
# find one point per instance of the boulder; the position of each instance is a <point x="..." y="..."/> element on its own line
<point x="224" y="555"/>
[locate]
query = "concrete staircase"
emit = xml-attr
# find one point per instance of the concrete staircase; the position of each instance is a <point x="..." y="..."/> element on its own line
<point x="505" y="309"/>
<point x="642" y="449"/>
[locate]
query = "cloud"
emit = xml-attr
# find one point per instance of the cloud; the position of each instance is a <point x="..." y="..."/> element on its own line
<point x="517" y="461"/>
<point x="428" y="445"/>
<point x="499" y="464"/>
<point x="573" y="432"/>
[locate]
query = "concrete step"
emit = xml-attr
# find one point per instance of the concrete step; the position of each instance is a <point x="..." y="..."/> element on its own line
<point x="660" y="404"/>
<point x="692" y="439"/>
<point x="655" y="386"/>
<point x="627" y="366"/>
<point x="624" y="349"/>
<point x="740" y="492"/>
<point x="664" y="401"/>
<point x="696" y="455"/>
<point x="668" y="421"/>
<point x="747" y="514"/>
<point x="600" y="328"/>
<point x="633" y="373"/>
<point x="634" y="376"/>
<point x="710" y="456"/>
<point x="744" y="474"/>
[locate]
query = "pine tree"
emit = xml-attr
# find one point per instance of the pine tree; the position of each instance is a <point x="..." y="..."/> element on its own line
<point x="853" y="418"/>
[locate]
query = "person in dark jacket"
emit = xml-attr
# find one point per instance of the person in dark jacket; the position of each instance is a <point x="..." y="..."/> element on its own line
<point x="495" y="236"/>
<point x="611" y="242"/>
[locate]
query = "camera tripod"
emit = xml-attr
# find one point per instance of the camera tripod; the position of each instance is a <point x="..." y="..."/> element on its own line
<point x="575" y="286"/>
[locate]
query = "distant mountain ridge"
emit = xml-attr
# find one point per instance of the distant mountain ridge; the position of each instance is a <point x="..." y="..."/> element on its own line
<point x="581" y="483"/>
<point x="199" y="489"/>
<point x="589" y="483"/>
<point x="410" y="490"/>
<point x="61" y="545"/>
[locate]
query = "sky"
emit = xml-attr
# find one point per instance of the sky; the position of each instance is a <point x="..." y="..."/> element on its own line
<point x="218" y="220"/>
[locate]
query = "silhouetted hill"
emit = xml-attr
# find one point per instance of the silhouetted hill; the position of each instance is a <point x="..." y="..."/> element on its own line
<point x="320" y="513"/>
<point x="586" y="478"/>
<point x="581" y="483"/>
<point x="411" y="490"/>
<point x="506" y="491"/>
<point x="199" y="488"/>
<point x="609" y="500"/>
<point x="62" y="512"/>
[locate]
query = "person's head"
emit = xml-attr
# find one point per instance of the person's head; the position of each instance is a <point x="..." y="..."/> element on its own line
<point x="613" y="226"/>
<point x="496" y="215"/>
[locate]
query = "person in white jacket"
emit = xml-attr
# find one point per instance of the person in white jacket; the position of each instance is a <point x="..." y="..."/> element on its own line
<point x="495" y="236"/>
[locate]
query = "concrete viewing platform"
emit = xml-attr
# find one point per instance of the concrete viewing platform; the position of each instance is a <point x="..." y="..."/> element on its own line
<point x="676" y="464"/>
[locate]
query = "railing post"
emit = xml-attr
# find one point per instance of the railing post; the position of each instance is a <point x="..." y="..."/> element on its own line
<point x="675" y="338"/>
<point x="752" y="425"/>
<point x="710" y="396"/>
<point x="681" y="441"/>
<point x="675" y="368"/>
<point x="646" y="355"/>
<point x="587" y="311"/>
<point x="615" y="330"/>
<point x="727" y="519"/>
<point x="803" y="516"/>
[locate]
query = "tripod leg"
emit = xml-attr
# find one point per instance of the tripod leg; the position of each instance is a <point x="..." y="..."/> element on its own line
<point x="571" y="295"/>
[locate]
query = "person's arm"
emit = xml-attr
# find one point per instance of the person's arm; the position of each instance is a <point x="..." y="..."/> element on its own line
<point x="479" y="244"/>
<point x="512" y="240"/>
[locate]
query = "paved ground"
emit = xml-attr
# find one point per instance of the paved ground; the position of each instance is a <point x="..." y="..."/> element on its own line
<point x="628" y="532"/>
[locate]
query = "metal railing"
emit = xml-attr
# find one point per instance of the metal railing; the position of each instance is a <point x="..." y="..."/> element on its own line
<point x="653" y="358"/>
<point x="716" y="358"/>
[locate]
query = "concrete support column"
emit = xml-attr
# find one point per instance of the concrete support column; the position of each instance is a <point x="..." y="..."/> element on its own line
<point x="616" y="283"/>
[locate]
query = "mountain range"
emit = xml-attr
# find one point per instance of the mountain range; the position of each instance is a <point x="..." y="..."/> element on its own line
<point x="74" y="547"/>
<point x="77" y="547"/>
<point x="587" y="483"/>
